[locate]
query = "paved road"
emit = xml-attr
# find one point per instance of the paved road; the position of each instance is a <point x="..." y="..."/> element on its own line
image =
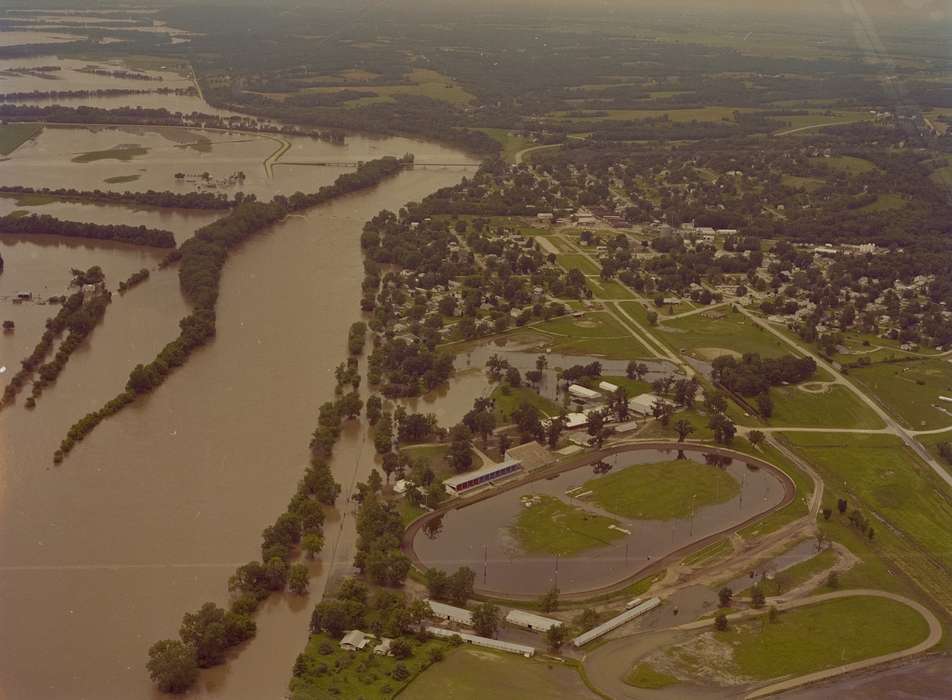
<point x="815" y="126"/>
<point x="891" y="425"/>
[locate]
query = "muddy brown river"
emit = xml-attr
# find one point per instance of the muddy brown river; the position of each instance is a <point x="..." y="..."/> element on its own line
<point x="148" y="517"/>
<point x="480" y="535"/>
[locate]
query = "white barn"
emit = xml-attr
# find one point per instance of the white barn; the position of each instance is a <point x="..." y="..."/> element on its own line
<point x="531" y="621"/>
<point x="496" y="644"/>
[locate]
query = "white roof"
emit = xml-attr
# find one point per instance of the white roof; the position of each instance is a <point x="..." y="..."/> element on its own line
<point x="583" y="392"/>
<point x="455" y="481"/>
<point x="575" y="420"/>
<point x="450" y="611"/>
<point x="616" y="622"/>
<point x="531" y="620"/>
<point x="608" y="386"/>
<point x="356" y="639"/>
<point x="642" y="402"/>
<point x="484" y="641"/>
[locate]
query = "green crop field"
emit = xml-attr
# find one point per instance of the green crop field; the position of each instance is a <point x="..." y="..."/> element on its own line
<point x="421" y="81"/>
<point x="469" y="673"/>
<point x="554" y="527"/>
<point x="829" y="634"/>
<point x="662" y="490"/>
<point x="12" y="136"/>
<point x="880" y="476"/>
<point x="910" y="390"/>
<point x="837" y="407"/>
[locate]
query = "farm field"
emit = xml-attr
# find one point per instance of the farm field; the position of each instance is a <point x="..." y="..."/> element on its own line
<point x="910" y="390"/>
<point x="12" y="136"/>
<point x="850" y="164"/>
<point x="422" y="81"/>
<point x="700" y="114"/>
<point x="662" y="490"/>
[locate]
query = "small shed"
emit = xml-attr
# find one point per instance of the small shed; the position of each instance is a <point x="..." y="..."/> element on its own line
<point x="383" y="649"/>
<point x="608" y="386"/>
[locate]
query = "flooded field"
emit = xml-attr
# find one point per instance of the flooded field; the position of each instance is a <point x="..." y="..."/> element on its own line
<point x="479" y="536"/>
<point x="136" y="158"/>
<point x="100" y="556"/>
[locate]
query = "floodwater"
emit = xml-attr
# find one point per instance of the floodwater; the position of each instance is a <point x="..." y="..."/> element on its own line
<point x="49" y="160"/>
<point x="147" y="518"/>
<point x="478" y="536"/>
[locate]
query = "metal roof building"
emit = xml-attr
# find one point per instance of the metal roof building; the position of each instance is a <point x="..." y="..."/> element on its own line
<point x="458" y="484"/>
<point x="450" y="612"/>
<point x="531" y="621"/>
<point x="497" y="644"/>
<point x="583" y="392"/>
<point x="616" y="622"/>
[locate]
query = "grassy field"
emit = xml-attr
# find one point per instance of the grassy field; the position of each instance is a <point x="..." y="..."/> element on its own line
<point x="647" y="677"/>
<point x="850" y="164"/>
<point x="594" y="334"/>
<point x="511" y="143"/>
<point x="468" y="673"/>
<point x="578" y="262"/>
<point x="361" y="674"/>
<point x="808" y="184"/>
<point x="662" y="490"/>
<point x="798" y="121"/>
<point x="837" y="407"/>
<point x="706" y="338"/>
<point x="901" y="497"/>
<point x="423" y="82"/>
<point x="910" y="390"/>
<point x="609" y="289"/>
<point x="700" y="114"/>
<point x="823" y="636"/>
<point x="435" y="456"/>
<point x="12" y="136"/>
<point x="122" y="153"/>
<point x="554" y="527"/>
<point x="885" y="202"/>
<point x="506" y="403"/>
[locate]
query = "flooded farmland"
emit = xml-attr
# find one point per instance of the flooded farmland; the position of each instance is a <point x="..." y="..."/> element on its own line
<point x="479" y="536"/>
<point x="101" y="556"/>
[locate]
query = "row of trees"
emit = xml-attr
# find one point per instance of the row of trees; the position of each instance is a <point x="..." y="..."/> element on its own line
<point x="47" y="225"/>
<point x="201" y="259"/>
<point x="148" y="198"/>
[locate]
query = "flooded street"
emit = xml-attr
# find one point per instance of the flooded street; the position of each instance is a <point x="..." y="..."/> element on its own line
<point x="479" y="536"/>
<point x="101" y="556"/>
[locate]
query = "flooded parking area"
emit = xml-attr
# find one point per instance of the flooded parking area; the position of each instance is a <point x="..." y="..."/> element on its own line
<point x="480" y="535"/>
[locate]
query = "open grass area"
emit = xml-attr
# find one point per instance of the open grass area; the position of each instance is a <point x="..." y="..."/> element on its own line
<point x="598" y="334"/>
<point x="423" y="82"/>
<point x="836" y="407"/>
<point x="608" y="289"/>
<point x="632" y="386"/>
<point x="435" y="457"/>
<point x="121" y="152"/>
<point x="823" y="636"/>
<point x="850" y="164"/>
<point x="356" y="674"/>
<point x="647" y="677"/>
<point x="12" y="136"/>
<point x="511" y="143"/>
<point x="817" y="118"/>
<point x="699" y="114"/>
<point x="554" y="527"/>
<point x="910" y="390"/>
<point x="705" y="337"/>
<point x="468" y="673"/>
<point x="901" y="497"/>
<point x="885" y="202"/>
<point x="662" y="490"/>
<point x="578" y="262"/>
<point x="507" y="399"/>
<point x="808" y="184"/>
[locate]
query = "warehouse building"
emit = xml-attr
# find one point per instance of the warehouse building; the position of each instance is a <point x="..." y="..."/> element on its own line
<point x="496" y="644"/>
<point x="531" y="621"/>
<point x="457" y="485"/>
<point x="450" y="613"/>
<point x="616" y="622"/>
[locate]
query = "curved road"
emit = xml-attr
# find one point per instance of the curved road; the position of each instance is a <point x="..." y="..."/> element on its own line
<point x="607" y="664"/>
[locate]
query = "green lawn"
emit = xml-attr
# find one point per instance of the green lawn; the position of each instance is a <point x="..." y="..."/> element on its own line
<point x="706" y="338"/>
<point x="632" y="386"/>
<point x="882" y="477"/>
<point x="122" y="152"/>
<point x="808" y="184"/>
<point x="473" y="674"/>
<point x="361" y="674"/>
<point x="610" y="289"/>
<point x="554" y="527"/>
<point x="511" y="143"/>
<point x="850" y="164"/>
<point x="508" y="400"/>
<point x="435" y="456"/>
<point x="837" y="407"/>
<point x="823" y="636"/>
<point x="647" y="677"/>
<point x="885" y="202"/>
<point x="910" y="390"/>
<point x="594" y="334"/>
<point x="591" y="325"/>
<point x="12" y="136"/>
<point x="662" y="490"/>
<point x="578" y="262"/>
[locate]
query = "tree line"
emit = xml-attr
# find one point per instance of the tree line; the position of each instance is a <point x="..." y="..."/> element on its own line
<point x="44" y="224"/>
<point x="149" y="198"/>
<point x="201" y="259"/>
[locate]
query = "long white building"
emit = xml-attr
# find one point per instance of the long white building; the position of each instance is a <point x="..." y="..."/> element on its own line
<point x="531" y="621"/>
<point x="450" y="613"/>
<point x="496" y="644"/>
<point x="616" y="622"/>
